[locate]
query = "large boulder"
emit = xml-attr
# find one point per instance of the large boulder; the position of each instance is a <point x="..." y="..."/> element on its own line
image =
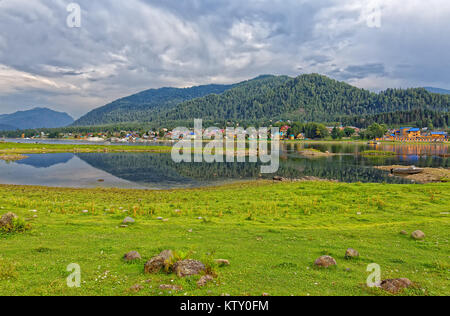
<point x="418" y="235"/>
<point x="325" y="262"/>
<point x="395" y="286"/>
<point x="188" y="267"/>
<point x="7" y="219"/>
<point x="132" y="256"/>
<point x="156" y="264"/>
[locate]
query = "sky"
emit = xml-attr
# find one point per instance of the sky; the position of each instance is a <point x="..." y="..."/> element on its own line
<point x="51" y="56"/>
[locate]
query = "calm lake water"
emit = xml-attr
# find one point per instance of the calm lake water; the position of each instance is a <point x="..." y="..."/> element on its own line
<point x="158" y="171"/>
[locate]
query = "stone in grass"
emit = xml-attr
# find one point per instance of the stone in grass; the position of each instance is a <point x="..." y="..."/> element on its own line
<point x="188" y="267"/>
<point x="166" y="287"/>
<point x="395" y="286"/>
<point x="128" y="220"/>
<point x="136" y="288"/>
<point x="222" y="262"/>
<point x="418" y="235"/>
<point x="204" y="280"/>
<point x="351" y="253"/>
<point x="132" y="256"/>
<point x="325" y="262"/>
<point x="7" y="219"/>
<point x="404" y="232"/>
<point x="156" y="264"/>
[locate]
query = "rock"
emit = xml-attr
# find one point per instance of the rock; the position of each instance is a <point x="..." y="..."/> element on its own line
<point x="85" y="211"/>
<point x="325" y="262"/>
<point x="205" y="280"/>
<point x="123" y="226"/>
<point x="418" y="235"/>
<point x="128" y="220"/>
<point x="136" y="288"/>
<point x="351" y="253"/>
<point x="188" y="267"/>
<point x="7" y="219"/>
<point x="404" y="232"/>
<point x="278" y="178"/>
<point x="170" y="287"/>
<point x="157" y="263"/>
<point x="131" y="256"/>
<point x="222" y="262"/>
<point x="159" y="218"/>
<point x="395" y="286"/>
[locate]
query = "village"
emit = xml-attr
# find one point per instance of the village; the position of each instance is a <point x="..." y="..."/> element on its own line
<point x="287" y="133"/>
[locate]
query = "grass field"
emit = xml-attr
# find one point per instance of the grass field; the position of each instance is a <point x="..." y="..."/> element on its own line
<point x="16" y="148"/>
<point x="271" y="233"/>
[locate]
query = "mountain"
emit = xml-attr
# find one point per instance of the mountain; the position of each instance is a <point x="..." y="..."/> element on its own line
<point x="305" y="98"/>
<point x="4" y="127"/>
<point x="309" y="97"/>
<point x="437" y="90"/>
<point x="141" y="107"/>
<point x="35" y="118"/>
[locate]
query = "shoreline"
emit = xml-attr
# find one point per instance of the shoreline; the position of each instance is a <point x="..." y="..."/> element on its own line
<point x="429" y="175"/>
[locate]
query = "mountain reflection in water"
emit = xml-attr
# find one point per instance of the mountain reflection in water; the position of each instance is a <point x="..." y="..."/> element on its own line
<point x="158" y="171"/>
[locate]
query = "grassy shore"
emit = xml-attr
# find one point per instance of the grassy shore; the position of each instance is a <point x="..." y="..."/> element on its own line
<point x="16" y="148"/>
<point x="271" y="233"/>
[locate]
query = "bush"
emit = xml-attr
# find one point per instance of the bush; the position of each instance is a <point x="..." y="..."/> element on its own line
<point x="17" y="225"/>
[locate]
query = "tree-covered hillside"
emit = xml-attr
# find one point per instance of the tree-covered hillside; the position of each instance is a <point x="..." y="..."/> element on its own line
<point x="417" y="117"/>
<point x="145" y="105"/>
<point x="305" y="98"/>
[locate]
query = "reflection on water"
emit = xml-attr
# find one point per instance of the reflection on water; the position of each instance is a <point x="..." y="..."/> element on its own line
<point x="158" y="171"/>
<point x="46" y="160"/>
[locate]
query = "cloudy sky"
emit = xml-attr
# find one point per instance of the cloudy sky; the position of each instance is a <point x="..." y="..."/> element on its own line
<point x="123" y="47"/>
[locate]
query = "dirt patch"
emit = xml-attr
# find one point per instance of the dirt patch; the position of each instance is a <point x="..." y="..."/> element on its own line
<point x="429" y="175"/>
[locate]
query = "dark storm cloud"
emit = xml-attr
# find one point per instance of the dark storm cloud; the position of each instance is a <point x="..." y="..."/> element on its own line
<point x="126" y="46"/>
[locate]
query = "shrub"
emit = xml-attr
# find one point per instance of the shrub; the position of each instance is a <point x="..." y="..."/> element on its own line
<point x="17" y="225"/>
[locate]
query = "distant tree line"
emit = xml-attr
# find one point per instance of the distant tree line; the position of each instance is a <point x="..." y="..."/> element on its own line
<point x="416" y="118"/>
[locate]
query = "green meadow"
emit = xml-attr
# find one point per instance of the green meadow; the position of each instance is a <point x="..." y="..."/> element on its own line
<point x="270" y="232"/>
<point x="17" y="148"/>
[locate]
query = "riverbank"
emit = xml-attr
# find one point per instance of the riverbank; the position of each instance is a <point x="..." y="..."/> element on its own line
<point x="271" y="243"/>
<point x="429" y="175"/>
<point x="16" y="148"/>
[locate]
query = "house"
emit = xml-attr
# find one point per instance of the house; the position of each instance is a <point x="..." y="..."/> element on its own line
<point x="408" y="132"/>
<point x="439" y="135"/>
<point x="416" y="135"/>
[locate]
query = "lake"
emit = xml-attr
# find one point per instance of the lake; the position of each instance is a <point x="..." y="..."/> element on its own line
<point x="158" y="171"/>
